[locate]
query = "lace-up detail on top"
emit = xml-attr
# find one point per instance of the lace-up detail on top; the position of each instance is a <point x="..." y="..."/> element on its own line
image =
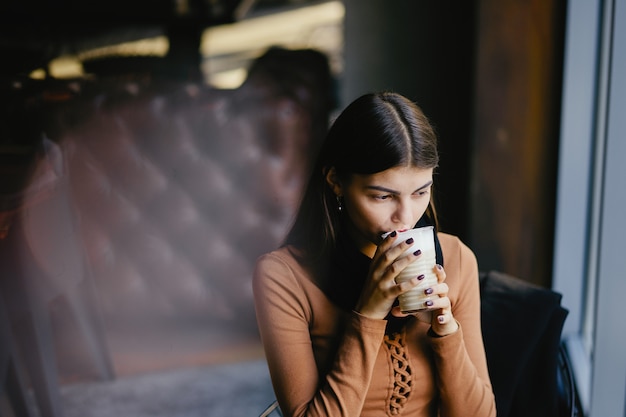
<point x="402" y="380"/>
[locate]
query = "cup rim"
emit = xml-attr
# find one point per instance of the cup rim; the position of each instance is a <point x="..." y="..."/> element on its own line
<point x="412" y="230"/>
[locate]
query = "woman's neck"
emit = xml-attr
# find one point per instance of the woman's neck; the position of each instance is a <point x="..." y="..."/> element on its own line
<point x="364" y="245"/>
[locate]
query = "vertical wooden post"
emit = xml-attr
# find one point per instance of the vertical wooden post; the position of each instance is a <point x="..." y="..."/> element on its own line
<point x="515" y="144"/>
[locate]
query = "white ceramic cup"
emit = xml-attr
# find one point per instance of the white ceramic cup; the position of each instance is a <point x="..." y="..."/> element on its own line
<point x="423" y="239"/>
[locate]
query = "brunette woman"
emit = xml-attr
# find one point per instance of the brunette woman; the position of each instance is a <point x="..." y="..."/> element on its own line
<point x="335" y="339"/>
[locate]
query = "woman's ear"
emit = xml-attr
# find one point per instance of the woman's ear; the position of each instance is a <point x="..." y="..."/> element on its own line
<point x="333" y="181"/>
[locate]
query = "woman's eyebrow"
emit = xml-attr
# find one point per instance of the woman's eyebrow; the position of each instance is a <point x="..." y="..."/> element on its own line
<point x="383" y="189"/>
<point x="428" y="184"/>
<point x="390" y="191"/>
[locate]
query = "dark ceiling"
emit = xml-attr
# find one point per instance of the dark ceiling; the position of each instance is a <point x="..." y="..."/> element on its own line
<point x="32" y="32"/>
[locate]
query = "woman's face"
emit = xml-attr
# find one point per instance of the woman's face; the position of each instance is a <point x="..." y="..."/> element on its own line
<point x="394" y="199"/>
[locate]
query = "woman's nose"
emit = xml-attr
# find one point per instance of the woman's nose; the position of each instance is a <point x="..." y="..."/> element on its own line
<point x="404" y="216"/>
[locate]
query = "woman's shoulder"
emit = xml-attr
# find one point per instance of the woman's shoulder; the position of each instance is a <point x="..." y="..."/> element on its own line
<point x="284" y="260"/>
<point x="286" y="255"/>
<point x="449" y="241"/>
<point x="279" y="276"/>
<point x="455" y="250"/>
<point x="461" y="266"/>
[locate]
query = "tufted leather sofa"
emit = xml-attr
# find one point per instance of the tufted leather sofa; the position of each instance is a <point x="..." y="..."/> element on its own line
<point x="146" y="208"/>
<point x="178" y="188"/>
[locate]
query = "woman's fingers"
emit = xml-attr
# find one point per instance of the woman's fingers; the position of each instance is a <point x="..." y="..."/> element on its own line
<point x="444" y="317"/>
<point x="438" y="307"/>
<point x="440" y="272"/>
<point x="390" y="262"/>
<point x="380" y="289"/>
<point x="442" y="320"/>
<point x="439" y="297"/>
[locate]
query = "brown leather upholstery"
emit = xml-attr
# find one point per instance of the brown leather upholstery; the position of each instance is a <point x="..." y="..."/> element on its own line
<point x="178" y="189"/>
<point x="165" y="192"/>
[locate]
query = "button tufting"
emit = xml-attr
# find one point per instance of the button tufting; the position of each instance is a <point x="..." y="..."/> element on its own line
<point x="179" y="193"/>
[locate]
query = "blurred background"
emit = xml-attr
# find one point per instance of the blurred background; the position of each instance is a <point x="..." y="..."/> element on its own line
<point x="178" y="134"/>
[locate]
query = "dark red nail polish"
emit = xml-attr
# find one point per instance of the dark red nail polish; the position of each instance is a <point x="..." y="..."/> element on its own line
<point x="428" y="291"/>
<point x="421" y="277"/>
<point x="417" y="252"/>
<point x="393" y="234"/>
<point x="409" y="240"/>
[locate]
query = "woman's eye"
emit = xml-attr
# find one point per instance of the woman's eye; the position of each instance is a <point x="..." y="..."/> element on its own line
<point x="382" y="197"/>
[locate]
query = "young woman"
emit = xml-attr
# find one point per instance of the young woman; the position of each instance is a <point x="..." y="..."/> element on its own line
<point x="335" y="340"/>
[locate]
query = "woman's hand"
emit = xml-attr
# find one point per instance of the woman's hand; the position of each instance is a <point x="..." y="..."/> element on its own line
<point x="439" y="314"/>
<point x="380" y="290"/>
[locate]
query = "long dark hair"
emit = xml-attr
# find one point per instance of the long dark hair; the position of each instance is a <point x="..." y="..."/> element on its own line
<point x="375" y="132"/>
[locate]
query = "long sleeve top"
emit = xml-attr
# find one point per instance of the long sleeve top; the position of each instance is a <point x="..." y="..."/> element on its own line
<point x="328" y="361"/>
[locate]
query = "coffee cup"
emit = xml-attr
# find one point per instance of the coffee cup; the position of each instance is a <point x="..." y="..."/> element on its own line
<point x="415" y="299"/>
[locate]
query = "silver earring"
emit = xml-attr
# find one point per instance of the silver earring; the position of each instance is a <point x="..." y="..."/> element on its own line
<point x="339" y="203"/>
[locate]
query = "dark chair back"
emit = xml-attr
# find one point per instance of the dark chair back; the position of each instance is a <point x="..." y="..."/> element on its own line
<point x="522" y="326"/>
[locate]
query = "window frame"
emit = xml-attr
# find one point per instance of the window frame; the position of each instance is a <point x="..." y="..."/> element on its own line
<point x="589" y="263"/>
